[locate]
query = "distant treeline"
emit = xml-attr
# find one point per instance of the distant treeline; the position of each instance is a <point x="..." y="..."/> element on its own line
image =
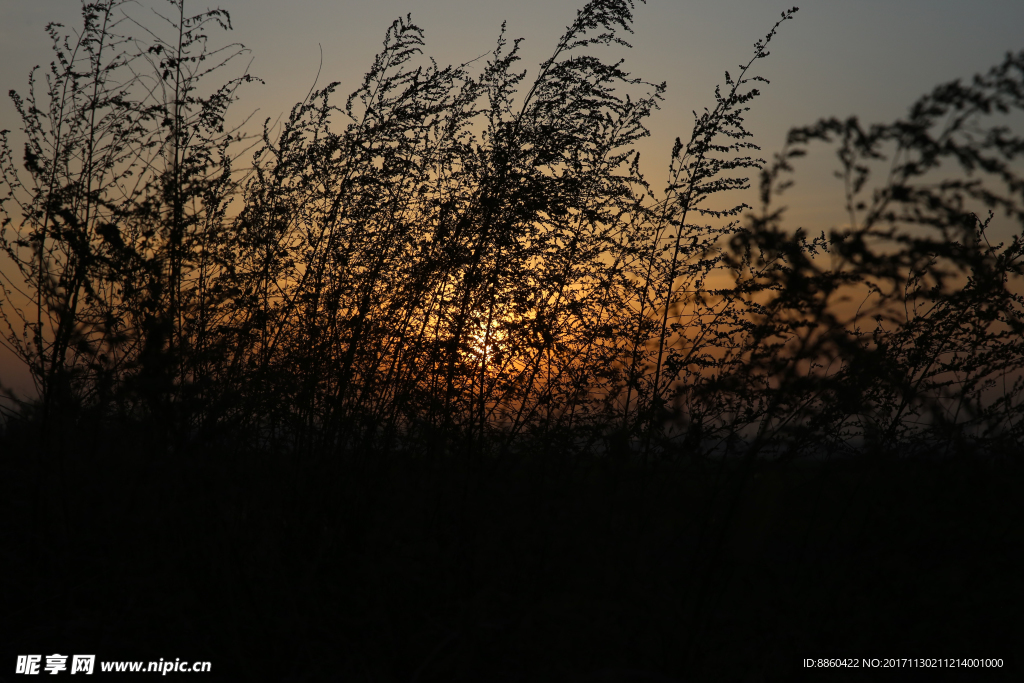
<point x="466" y="257"/>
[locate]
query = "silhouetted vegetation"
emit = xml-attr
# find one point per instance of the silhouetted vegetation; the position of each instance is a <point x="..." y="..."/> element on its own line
<point x="431" y="383"/>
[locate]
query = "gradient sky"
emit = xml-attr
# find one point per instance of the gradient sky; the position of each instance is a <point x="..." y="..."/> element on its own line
<point x="871" y="58"/>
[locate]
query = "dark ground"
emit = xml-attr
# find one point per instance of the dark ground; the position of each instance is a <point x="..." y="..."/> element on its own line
<point x="379" y="567"/>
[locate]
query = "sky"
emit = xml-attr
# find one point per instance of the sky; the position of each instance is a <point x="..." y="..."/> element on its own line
<point x="870" y="58"/>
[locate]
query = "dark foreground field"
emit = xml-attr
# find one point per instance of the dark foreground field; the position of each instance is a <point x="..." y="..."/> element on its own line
<point x="433" y="567"/>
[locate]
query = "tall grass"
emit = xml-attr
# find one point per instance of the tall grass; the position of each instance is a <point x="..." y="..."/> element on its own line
<point x="463" y="254"/>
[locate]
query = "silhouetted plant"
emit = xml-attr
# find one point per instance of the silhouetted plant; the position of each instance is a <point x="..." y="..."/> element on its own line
<point x="453" y="258"/>
<point x="909" y="339"/>
<point x="118" y="231"/>
<point x="444" y="257"/>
